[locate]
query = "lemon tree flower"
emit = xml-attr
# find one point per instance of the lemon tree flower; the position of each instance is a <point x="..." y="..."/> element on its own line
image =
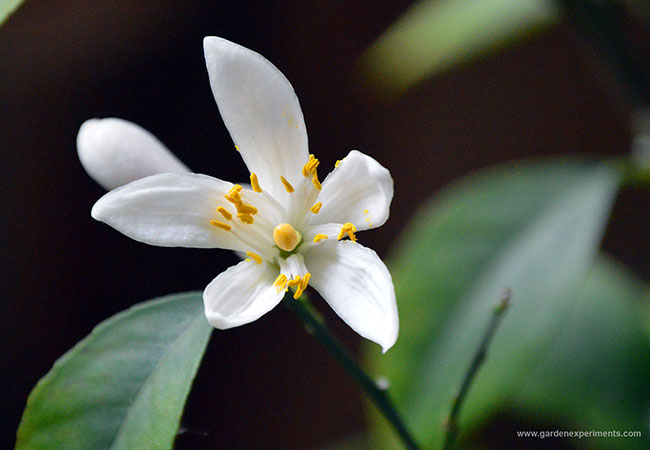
<point x="294" y="229"/>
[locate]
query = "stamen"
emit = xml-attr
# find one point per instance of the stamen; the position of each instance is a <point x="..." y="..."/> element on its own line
<point x="348" y="229"/>
<point x="223" y="226"/>
<point x="310" y="167"/>
<point x="280" y="282"/>
<point x="246" y="218"/>
<point x="257" y="258"/>
<point x="236" y="189"/>
<point x="302" y="285"/>
<point x="236" y="148"/>
<point x="314" y="180"/>
<point x="319" y="237"/>
<point x="316" y="208"/>
<point x="244" y="210"/>
<point x="294" y="282"/>
<point x="336" y="164"/>
<point x="287" y="185"/>
<point x="224" y="212"/>
<point x="255" y="184"/>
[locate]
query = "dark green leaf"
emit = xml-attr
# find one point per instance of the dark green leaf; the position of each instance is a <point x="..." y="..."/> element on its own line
<point x="595" y="376"/>
<point x="123" y="386"/>
<point x="534" y="228"/>
<point x="435" y="35"/>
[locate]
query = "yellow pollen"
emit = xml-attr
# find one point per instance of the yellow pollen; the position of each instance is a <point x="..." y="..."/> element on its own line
<point x="310" y="167"/>
<point x="236" y="148"/>
<point x="280" y="282"/>
<point x="316" y="208"/>
<point x="294" y="282"/>
<point x="319" y="237"/>
<point x="286" y="237"/>
<point x="365" y="211"/>
<point x="305" y="281"/>
<point x="224" y="212"/>
<point x="236" y="189"/>
<point x="246" y="209"/>
<point x="287" y="185"/>
<point x="255" y="184"/>
<point x="337" y="163"/>
<point x="348" y="229"/>
<point x="301" y="285"/>
<point x="246" y="218"/>
<point x="223" y="226"/>
<point x="257" y="258"/>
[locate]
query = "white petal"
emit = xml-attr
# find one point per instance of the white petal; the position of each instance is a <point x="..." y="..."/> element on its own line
<point x="359" y="191"/>
<point x="241" y="294"/>
<point x="169" y="210"/>
<point x="357" y="285"/>
<point x="115" y="152"/>
<point x="293" y="266"/>
<point x="260" y="110"/>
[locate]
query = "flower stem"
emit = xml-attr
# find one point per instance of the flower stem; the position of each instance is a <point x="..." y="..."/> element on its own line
<point x="315" y="326"/>
<point x="451" y="423"/>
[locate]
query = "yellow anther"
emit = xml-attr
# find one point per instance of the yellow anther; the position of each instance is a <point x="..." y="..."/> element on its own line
<point x="314" y="180"/>
<point x="255" y="184"/>
<point x="316" y="208"/>
<point x="294" y="282"/>
<point x="246" y="218"/>
<point x="336" y="164"/>
<point x="236" y="148"/>
<point x="236" y="189"/>
<point x="257" y="258"/>
<point x="305" y="281"/>
<point x="319" y="237"/>
<point x="225" y="213"/>
<point x="287" y="185"/>
<point x="302" y="285"/>
<point x="223" y="226"/>
<point x="365" y="211"/>
<point x="286" y="237"/>
<point x="280" y="282"/>
<point x="348" y="229"/>
<point x="244" y="208"/>
<point x="310" y="166"/>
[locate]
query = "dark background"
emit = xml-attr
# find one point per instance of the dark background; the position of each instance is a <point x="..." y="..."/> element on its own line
<point x="265" y="385"/>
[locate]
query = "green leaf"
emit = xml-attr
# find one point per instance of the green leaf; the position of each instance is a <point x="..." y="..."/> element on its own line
<point x="534" y="228"/>
<point x="596" y="374"/>
<point x="123" y="386"/>
<point x="436" y="35"/>
<point x="7" y="7"/>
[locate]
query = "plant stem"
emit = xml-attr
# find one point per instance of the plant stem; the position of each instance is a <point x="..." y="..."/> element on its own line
<point x="315" y="327"/>
<point x="452" y="419"/>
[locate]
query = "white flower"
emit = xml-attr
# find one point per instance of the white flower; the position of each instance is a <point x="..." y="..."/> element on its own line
<point x="294" y="230"/>
<point x="115" y="152"/>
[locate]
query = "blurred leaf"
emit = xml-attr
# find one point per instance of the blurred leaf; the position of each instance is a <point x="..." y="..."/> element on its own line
<point x="435" y="35"/>
<point x="596" y="374"/>
<point x="123" y="386"/>
<point x="534" y="228"/>
<point x="7" y="7"/>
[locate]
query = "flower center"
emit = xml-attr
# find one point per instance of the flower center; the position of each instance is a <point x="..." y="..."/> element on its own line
<point x="286" y="237"/>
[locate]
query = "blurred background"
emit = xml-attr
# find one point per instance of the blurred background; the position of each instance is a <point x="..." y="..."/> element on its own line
<point x="266" y="385"/>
